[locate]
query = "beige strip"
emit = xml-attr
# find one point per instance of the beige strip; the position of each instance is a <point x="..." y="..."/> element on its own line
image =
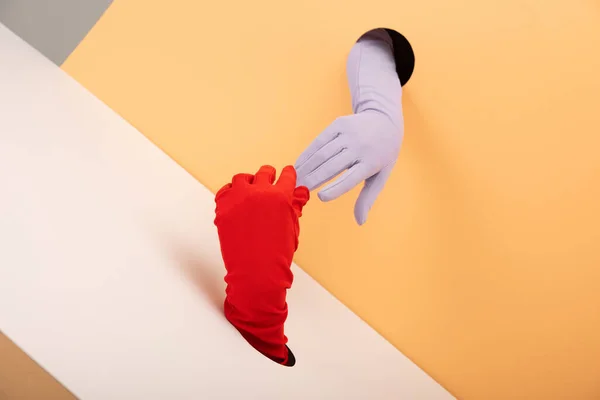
<point x="21" y="378"/>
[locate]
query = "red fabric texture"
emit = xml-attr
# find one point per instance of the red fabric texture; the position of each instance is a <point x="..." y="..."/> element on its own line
<point x="258" y="227"/>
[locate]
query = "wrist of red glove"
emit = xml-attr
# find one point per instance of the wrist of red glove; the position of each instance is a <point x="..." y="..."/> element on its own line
<point x="258" y="230"/>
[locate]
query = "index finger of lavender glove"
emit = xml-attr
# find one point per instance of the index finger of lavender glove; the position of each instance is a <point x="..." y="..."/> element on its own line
<point x="287" y="179"/>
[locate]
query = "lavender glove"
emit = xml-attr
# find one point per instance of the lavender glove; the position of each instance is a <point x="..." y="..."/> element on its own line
<point x="366" y="144"/>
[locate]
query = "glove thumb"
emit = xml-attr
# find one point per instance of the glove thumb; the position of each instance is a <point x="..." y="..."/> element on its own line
<point x="373" y="186"/>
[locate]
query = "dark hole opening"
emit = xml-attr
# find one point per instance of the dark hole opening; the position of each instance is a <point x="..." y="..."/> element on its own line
<point x="404" y="55"/>
<point x="251" y="339"/>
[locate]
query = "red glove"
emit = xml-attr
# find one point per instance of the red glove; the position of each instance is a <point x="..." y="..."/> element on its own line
<point x="258" y="230"/>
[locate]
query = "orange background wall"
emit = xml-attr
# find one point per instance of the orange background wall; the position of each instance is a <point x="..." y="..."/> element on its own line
<point x="480" y="260"/>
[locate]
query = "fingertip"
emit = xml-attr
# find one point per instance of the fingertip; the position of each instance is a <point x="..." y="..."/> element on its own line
<point x="302" y="190"/>
<point x="360" y="219"/>
<point x="302" y="193"/>
<point x="265" y="174"/>
<point x="289" y="170"/>
<point x="242" y="179"/>
<point x="360" y="213"/>
<point x="332" y="191"/>
<point x="324" y="196"/>
<point x="300" y="198"/>
<point x="287" y="178"/>
<point x="267" y="169"/>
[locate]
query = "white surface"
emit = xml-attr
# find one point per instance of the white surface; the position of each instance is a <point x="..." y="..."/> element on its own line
<point x="111" y="276"/>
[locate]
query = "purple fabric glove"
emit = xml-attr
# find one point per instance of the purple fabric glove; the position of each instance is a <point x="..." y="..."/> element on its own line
<point x="365" y="145"/>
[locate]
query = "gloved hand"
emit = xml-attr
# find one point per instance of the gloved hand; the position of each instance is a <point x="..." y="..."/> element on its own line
<point x="366" y="144"/>
<point x="258" y="232"/>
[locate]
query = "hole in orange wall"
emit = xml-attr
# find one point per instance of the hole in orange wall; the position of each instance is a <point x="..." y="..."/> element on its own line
<point x="404" y="55"/>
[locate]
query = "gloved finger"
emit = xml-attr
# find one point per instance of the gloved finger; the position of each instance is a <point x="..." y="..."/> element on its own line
<point x="265" y="175"/>
<point x="317" y="160"/>
<point x="287" y="179"/>
<point x="344" y="183"/>
<point x="300" y="198"/>
<point x="373" y="186"/>
<point x="222" y="190"/>
<point x="335" y="165"/>
<point x="328" y="135"/>
<point x="242" y="179"/>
